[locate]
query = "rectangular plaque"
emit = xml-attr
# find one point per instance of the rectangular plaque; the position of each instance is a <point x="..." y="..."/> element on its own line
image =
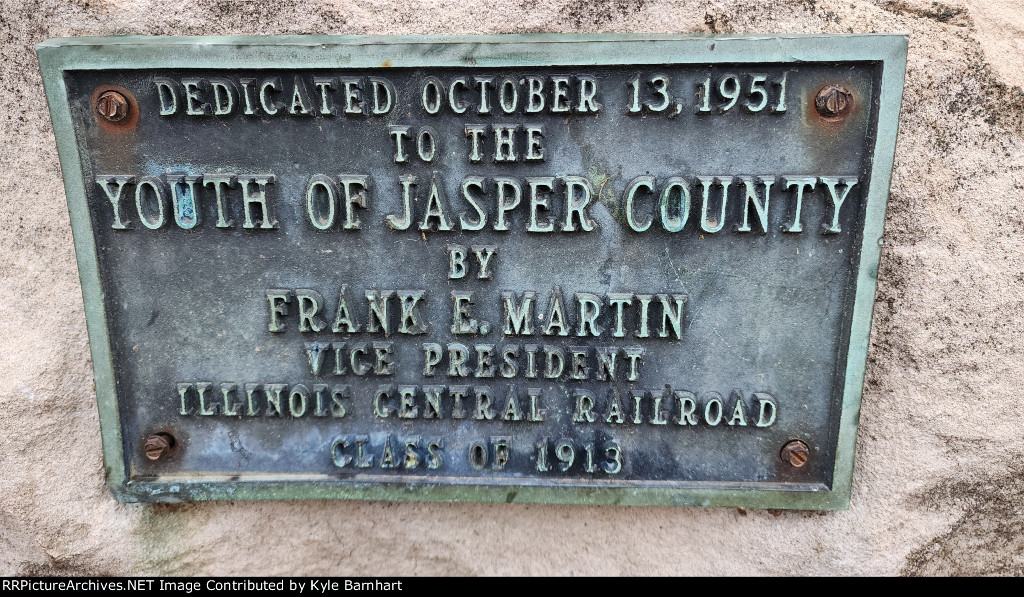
<point x="609" y="269"/>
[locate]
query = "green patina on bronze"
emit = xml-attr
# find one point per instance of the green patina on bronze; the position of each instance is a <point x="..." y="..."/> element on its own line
<point x="67" y="62"/>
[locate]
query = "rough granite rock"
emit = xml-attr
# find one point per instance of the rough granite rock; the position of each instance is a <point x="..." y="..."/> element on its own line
<point x="939" y="480"/>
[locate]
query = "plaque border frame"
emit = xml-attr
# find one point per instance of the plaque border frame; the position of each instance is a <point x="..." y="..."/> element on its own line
<point x="530" y="50"/>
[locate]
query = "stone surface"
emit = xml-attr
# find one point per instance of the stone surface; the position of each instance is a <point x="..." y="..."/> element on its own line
<point x="937" y="487"/>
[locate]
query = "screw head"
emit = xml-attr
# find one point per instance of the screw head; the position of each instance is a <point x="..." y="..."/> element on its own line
<point x="159" y="445"/>
<point x="833" y="101"/>
<point x="795" y="453"/>
<point x="112" y="106"/>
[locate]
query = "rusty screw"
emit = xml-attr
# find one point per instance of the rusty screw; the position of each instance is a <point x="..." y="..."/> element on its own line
<point x="796" y="453"/>
<point x="112" y="106"/>
<point x="833" y="101"/>
<point x="159" y="445"/>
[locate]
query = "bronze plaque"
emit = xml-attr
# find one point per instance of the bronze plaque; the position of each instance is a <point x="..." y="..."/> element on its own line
<point x="593" y="269"/>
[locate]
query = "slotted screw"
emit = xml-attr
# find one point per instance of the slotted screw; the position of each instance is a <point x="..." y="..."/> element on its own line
<point x="833" y="101"/>
<point x="159" y="445"/>
<point x="112" y="106"/>
<point x="795" y="453"/>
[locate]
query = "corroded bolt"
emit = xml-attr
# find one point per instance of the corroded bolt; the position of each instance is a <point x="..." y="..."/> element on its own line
<point x="833" y="101"/>
<point x="795" y="453"/>
<point x="159" y="445"/>
<point x="112" y="106"/>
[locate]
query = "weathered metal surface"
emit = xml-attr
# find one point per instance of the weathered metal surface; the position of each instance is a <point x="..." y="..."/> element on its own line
<point x="564" y="309"/>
